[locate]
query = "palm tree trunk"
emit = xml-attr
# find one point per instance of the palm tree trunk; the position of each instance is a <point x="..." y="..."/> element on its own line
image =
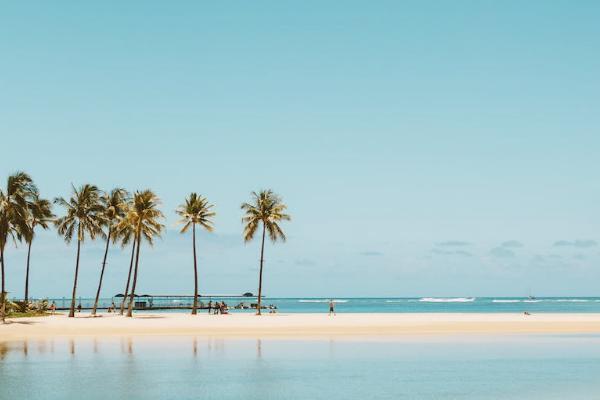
<point x="195" y="307"/>
<point x="135" y="273"/>
<point x="102" y="272"/>
<point x="262" y="252"/>
<point x="72" y="309"/>
<point x="3" y="292"/>
<point x="27" y="274"/>
<point x="128" y="278"/>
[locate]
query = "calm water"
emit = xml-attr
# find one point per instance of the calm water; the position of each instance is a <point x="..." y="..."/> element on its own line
<point x="511" y="367"/>
<point x="404" y="305"/>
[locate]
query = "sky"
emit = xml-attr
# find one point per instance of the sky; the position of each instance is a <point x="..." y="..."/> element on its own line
<point x="424" y="148"/>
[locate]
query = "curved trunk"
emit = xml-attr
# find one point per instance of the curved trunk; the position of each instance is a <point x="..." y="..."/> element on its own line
<point x="262" y="252"/>
<point x="27" y="274"/>
<point x="72" y="309"/>
<point x="101" y="273"/>
<point x="195" y="306"/>
<point x="128" y="278"/>
<point x="135" y="273"/>
<point x="3" y="292"/>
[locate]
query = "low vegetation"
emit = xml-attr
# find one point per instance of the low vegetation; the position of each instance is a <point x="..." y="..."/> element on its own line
<point x="20" y="309"/>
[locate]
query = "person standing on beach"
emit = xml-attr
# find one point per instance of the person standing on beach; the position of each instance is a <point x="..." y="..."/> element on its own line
<point x="209" y="306"/>
<point x="331" y="307"/>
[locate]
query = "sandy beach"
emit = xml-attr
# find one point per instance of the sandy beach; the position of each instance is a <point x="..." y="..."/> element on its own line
<point x="298" y="325"/>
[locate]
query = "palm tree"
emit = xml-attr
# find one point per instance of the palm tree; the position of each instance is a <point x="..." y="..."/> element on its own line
<point x="40" y="214"/>
<point x="13" y="220"/>
<point x="268" y="209"/>
<point x="146" y="216"/>
<point x="126" y="233"/>
<point x="195" y="210"/>
<point x="113" y="205"/>
<point x="84" y="215"/>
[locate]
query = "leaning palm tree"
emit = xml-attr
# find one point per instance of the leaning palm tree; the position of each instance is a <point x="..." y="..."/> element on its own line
<point x="125" y="232"/>
<point x="146" y="216"/>
<point x="40" y="214"/>
<point x="195" y="211"/>
<point x="14" y="202"/>
<point x="84" y="215"/>
<point x="266" y="209"/>
<point x="113" y="205"/>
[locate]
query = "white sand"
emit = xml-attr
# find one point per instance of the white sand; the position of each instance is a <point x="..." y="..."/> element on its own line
<point x="297" y="325"/>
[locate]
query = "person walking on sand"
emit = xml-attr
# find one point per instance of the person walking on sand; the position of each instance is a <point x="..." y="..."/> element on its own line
<point x="53" y="308"/>
<point x="331" y="307"/>
<point x="209" y="306"/>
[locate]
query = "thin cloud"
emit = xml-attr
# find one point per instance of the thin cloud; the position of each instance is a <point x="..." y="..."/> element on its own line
<point x="453" y="243"/>
<point x="513" y="244"/>
<point x="371" y="253"/>
<point x="502" y="252"/>
<point x="441" y="252"/>
<point x="582" y="244"/>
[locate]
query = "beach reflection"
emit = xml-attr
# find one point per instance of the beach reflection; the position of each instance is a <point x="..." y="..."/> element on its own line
<point x="258" y="368"/>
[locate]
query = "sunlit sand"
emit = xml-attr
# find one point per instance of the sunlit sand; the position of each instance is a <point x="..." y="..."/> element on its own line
<point x="299" y="325"/>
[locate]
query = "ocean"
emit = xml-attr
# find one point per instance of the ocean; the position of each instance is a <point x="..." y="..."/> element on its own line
<point x="459" y="368"/>
<point x="389" y="305"/>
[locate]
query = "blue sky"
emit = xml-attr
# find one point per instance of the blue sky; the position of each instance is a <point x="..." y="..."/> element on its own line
<point x="424" y="148"/>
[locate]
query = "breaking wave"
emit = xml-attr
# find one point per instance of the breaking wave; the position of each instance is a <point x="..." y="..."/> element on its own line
<point x="447" y="300"/>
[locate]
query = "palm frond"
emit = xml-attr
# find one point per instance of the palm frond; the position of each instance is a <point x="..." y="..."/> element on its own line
<point x="266" y="208"/>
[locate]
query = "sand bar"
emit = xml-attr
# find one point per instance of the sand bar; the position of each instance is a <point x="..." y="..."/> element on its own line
<point x="298" y="325"/>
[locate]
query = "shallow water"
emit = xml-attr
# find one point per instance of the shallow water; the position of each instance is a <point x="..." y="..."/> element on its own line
<point x="504" y="367"/>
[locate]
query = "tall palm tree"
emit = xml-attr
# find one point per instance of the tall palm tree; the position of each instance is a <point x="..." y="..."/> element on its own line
<point x="126" y="233"/>
<point x="84" y="215"/>
<point x="267" y="209"/>
<point x="113" y="205"/>
<point x="146" y="216"/>
<point x="14" y="202"/>
<point x="195" y="211"/>
<point x="40" y="214"/>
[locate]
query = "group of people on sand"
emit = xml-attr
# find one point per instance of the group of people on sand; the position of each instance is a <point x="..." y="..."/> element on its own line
<point x="214" y="308"/>
<point x="218" y="307"/>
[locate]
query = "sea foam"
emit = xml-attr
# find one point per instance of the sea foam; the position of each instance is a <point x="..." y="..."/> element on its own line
<point x="447" y="300"/>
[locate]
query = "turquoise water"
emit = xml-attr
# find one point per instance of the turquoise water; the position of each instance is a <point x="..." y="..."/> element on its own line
<point x="504" y="367"/>
<point x="395" y="305"/>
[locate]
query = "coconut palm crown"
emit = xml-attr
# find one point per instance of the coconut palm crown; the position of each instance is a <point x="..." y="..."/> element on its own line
<point x="196" y="210"/>
<point x="267" y="208"/>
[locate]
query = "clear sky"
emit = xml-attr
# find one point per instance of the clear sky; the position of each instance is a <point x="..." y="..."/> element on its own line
<point x="424" y="148"/>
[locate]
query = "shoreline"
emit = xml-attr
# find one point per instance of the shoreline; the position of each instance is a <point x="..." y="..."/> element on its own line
<point x="245" y="325"/>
